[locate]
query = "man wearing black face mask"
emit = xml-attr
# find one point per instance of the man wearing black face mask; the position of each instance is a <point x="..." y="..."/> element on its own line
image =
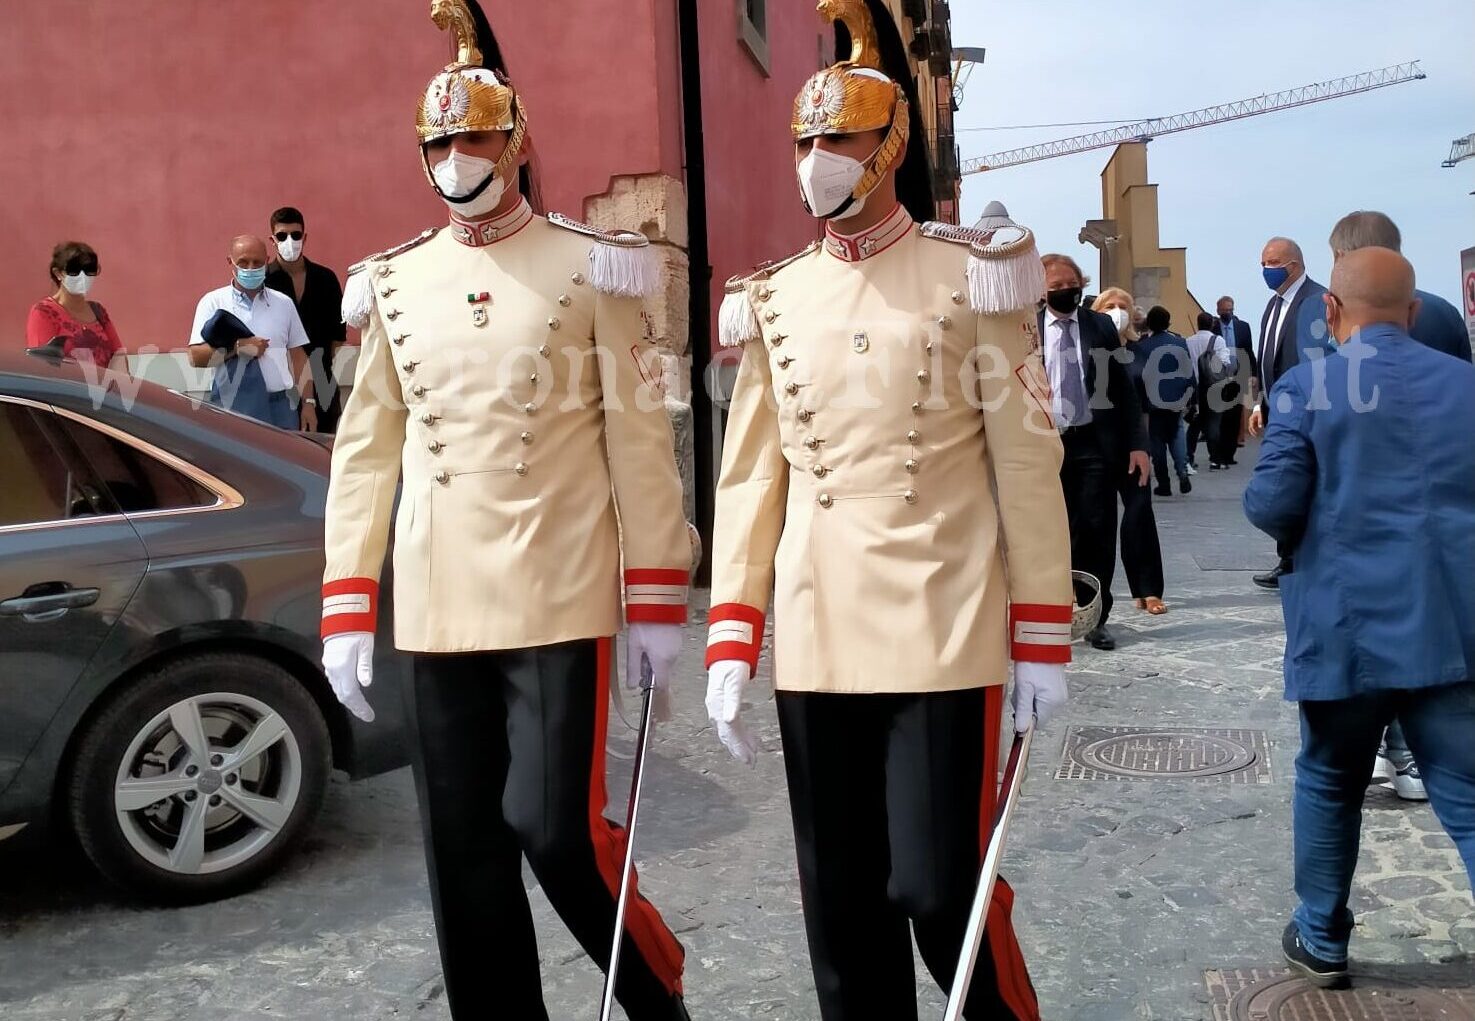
<point x="1100" y="420"/>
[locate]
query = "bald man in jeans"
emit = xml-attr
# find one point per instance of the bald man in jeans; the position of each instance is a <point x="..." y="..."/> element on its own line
<point x="1367" y="475"/>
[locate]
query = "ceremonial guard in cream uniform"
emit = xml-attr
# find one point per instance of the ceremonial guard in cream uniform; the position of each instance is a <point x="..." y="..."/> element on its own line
<point x="891" y="474"/>
<point x="507" y="380"/>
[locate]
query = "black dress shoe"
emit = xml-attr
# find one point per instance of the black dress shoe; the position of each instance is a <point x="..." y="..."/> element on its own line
<point x="1185" y="485"/>
<point x="1322" y="974"/>
<point x="1100" y="638"/>
<point x="1271" y="578"/>
<point x="1163" y="491"/>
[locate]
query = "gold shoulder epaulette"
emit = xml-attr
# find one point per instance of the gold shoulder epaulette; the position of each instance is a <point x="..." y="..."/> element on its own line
<point x="618" y="238"/>
<point x="764" y="270"/>
<point x="400" y="249"/>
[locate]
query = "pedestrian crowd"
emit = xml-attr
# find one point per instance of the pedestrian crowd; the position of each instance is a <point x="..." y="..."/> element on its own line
<point x="1366" y="482"/>
<point x="270" y="334"/>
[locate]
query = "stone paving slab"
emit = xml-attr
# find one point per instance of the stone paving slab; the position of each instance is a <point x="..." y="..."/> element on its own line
<point x="1127" y="893"/>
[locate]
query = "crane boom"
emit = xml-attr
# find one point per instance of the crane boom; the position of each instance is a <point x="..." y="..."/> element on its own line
<point x="1146" y="130"/>
<point x="1460" y="149"/>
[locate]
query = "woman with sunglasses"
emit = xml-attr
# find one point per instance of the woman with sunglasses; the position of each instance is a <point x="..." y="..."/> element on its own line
<point x="84" y="325"/>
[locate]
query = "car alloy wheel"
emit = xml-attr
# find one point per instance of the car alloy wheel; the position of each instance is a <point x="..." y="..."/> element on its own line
<point x="208" y="783"/>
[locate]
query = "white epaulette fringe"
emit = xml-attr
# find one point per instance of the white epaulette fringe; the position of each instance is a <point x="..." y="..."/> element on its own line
<point x="621" y="263"/>
<point x="1001" y="277"/>
<point x="737" y="323"/>
<point x="358" y="288"/>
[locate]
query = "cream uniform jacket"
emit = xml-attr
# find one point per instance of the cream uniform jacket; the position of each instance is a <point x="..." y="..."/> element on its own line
<point x="506" y="377"/>
<point x="890" y="470"/>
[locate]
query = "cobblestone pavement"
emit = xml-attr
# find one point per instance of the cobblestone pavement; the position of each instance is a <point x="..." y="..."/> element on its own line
<point x="1128" y="890"/>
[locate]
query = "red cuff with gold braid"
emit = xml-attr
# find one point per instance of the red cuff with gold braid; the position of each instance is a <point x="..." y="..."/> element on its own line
<point x="350" y="604"/>
<point x="656" y="595"/>
<point x="1039" y="633"/>
<point x="734" y="631"/>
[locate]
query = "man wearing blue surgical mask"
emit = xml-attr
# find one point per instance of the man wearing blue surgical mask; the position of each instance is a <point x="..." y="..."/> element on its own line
<point x="254" y="376"/>
<point x="1294" y="322"/>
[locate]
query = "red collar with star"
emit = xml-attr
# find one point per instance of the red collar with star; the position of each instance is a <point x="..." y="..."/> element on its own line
<point x="870" y="242"/>
<point x="480" y="233"/>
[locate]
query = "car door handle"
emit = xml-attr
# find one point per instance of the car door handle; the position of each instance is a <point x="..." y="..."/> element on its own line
<point x="38" y="609"/>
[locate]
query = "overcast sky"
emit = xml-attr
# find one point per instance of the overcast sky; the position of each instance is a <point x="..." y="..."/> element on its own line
<point x="1224" y="190"/>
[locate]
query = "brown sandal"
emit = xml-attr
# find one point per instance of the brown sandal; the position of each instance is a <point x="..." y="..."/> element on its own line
<point x="1152" y="604"/>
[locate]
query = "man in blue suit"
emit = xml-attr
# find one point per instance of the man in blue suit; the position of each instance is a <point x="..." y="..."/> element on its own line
<point x="1441" y="326"/>
<point x="1293" y="324"/>
<point x="1368" y="474"/>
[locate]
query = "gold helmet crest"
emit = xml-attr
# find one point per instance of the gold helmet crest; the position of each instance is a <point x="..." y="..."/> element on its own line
<point x="466" y="95"/>
<point x="854" y="95"/>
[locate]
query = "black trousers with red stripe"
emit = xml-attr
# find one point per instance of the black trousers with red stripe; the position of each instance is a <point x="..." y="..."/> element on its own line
<point x="893" y="797"/>
<point x="509" y="762"/>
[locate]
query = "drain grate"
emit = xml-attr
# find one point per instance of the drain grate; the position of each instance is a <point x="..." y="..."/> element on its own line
<point x="1271" y="994"/>
<point x="1147" y="753"/>
<point x="1237" y="560"/>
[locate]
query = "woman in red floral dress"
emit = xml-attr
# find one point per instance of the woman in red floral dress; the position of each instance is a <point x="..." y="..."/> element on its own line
<point x="84" y="325"/>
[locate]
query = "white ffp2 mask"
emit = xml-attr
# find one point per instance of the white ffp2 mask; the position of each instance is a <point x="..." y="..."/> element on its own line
<point x="290" y="249"/>
<point x="1120" y="318"/>
<point x="458" y="175"/>
<point x="77" y="283"/>
<point x="826" y="180"/>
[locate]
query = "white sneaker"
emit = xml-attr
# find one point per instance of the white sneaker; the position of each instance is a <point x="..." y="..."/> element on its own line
<point x="1192" y="470"/>
<point x="1408" y="784"/>
<point x="1383" y="768"/>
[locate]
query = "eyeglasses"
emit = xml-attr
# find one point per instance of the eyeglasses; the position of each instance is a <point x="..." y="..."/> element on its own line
<point x="81" y="265"/>
<point x="282" y="235"/>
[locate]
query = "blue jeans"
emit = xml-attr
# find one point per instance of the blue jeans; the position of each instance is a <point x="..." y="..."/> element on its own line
<point x="1339" y="739"/>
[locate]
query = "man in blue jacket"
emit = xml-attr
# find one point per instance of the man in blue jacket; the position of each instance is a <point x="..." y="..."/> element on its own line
<point x="1367" y="472"/>
<point x="1441" y="326"/>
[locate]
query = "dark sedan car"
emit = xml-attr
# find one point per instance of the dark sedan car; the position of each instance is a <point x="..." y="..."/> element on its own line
<point x="161" y="692"/>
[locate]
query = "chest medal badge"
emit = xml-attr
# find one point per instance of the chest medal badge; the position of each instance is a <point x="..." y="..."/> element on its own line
<point x="479" y="303"/>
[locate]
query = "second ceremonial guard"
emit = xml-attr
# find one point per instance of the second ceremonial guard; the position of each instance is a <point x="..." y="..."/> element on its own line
<point x="506" y="378"/>
<point x="891" y="474"/>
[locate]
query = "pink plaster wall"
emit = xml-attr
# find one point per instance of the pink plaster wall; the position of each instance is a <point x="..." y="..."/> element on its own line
<point x="157" y="129"/>
<point x="753" y="203"/>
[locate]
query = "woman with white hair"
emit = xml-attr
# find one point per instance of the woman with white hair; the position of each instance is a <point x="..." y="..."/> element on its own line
<point x="1142" y="555"/>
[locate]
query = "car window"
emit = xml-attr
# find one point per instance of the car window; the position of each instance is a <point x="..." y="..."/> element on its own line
<point x="136" y="480"/>
<point x="39" y="485"/>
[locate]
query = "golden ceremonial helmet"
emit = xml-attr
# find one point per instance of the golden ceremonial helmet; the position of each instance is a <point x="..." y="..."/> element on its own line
<point x="472" y="93"/>
<point x="855" y="95"/>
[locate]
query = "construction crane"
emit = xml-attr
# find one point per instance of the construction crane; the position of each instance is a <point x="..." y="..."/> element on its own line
<point x="1147" y="130"/>
<point x="1460" y="150"/>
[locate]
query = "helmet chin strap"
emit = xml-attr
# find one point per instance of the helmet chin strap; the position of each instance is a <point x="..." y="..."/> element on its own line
<point x="891" y="149"/>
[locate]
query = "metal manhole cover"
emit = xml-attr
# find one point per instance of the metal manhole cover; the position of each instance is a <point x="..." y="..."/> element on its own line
<point x="1269" y="994"/>
<point x="1148" y="753"/>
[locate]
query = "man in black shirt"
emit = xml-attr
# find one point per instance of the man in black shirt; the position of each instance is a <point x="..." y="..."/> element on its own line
<point x="318" y="296"/>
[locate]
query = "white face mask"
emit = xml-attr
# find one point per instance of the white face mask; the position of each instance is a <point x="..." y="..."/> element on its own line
<point x="458" y="175"/>
<point x="826" y="180"/>
<point x="77" y="283"/>
<point x="289" y="249"/>
<point x="1120" y="318"/>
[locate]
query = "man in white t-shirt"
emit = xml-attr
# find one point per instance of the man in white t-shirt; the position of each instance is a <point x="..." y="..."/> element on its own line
<point x="277" y="348"/>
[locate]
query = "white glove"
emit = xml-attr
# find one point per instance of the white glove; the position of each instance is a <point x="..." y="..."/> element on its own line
<point x="348" y="660"/>
<point x="659" y="644"/>
<point x="725" y="682"/>
<point x="1039" y="692"/>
